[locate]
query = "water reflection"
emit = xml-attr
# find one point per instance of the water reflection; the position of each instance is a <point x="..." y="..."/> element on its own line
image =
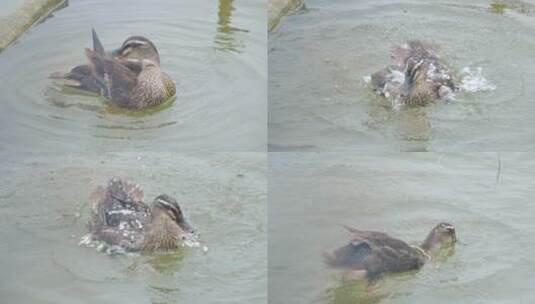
<point x="522" y="7"/>
<point x="62" y="5"/>
<point x="352" y="291"/>
<point x="15" y="15"/>
<point x="226" y="38"/>
<point x="411" y="125"/>
<point x="166" y="263"/>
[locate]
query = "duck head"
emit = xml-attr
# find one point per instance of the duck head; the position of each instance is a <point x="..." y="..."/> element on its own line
<point x="441" y="237"/>
<point x="417" y="89"/>
<point x="137" y="47"/>
<point x="166" y="205"/>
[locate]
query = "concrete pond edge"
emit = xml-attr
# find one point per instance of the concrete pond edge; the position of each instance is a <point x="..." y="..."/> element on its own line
<point x="27" y="14"/>
<point x="280" y="8"/>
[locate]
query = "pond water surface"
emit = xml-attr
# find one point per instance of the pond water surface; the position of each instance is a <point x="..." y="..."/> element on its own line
<point x="487" y="196"/>
<point x="318" y="57"/>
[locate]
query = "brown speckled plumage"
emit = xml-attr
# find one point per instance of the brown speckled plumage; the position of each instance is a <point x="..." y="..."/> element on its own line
<point x="416" y="78"/>
<point x="128" y="77"/>
<point x="121" y="218"/>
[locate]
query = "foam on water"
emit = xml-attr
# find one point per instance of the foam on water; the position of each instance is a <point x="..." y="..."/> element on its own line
<point x="89" y="241"/>
<point x="473" y="81"/>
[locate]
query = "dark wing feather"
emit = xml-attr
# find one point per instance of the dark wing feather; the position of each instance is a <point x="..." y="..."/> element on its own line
<point x="124" y="191"/>
<point x="121" y="80"/>
<point x="365" y="235"/>
<point x="375" y="252"/>
<point x="120" y="201"/>
<point x="82" y="77"/>
<point x="97" y="45"/>
<point x="389" y="254"/>
<point x="352" y="255"/>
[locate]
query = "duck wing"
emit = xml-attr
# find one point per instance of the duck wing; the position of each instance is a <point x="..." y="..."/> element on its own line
<point x="389" y="254"/>
<point x="90" y="77"/>
<point x="120" y="205"/>
<point x="376" y="253"/>
<point x="81" y="77"/>
<point x="86" y="77"/>
<point x="97" y="45"/>
<point x="364" y="235"/>
<point x="388" y="81"/>
<point x="352" y="256"/>
<point x="414" y="49"/>
<point x="119" y="78"/>
<point x="120" y="217"/>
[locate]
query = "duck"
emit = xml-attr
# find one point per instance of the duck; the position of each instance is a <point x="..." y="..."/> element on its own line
<point x="120" y="218"/>
<point x="417" y="76"/>
<point x="129" y="77"/>
<point x="372" y="254"/>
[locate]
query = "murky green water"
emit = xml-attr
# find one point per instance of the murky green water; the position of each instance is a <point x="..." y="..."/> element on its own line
<point x="44" y="210"/>
<point x="487" y="196"/>
<point x="213" y="50"/>
<point x="317" y="59"/>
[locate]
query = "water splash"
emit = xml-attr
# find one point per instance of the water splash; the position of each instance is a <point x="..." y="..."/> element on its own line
<point x="473" y="81"/>
<point x="89" y="241"/>
<point x="193" y="241"/>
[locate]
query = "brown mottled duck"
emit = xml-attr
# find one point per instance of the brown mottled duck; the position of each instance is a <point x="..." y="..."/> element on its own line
<point x="129" y="77"/>
<point x="372" y="254"/>
<point x="121" y="218"/>
<point x="416" y="78"/>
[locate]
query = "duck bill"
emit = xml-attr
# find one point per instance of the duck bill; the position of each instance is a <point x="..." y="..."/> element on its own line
<point x="187" y="227"/>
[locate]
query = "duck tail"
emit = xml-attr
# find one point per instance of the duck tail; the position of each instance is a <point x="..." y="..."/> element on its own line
<point x="81" y="77"/>
<point x="97" y="45"/>
<point x="95" y="58"/>
<point x="350" y="229"/>
<point x="329" y="259"/>
<point x="67" y="79"/>
<point x="124" y="190"/>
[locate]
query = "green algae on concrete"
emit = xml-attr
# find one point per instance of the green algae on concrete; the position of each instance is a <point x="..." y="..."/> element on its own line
<point x="522" y="7"/>
<point x="279" y="8"/>
<point x="29" y="12"/>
